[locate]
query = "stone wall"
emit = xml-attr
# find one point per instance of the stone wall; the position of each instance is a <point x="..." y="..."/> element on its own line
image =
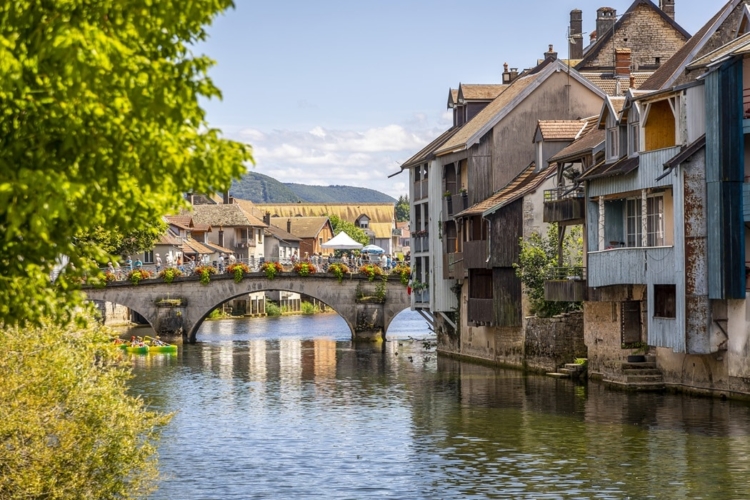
<point x="113" y="314"/>
<point x="551" y="342"/>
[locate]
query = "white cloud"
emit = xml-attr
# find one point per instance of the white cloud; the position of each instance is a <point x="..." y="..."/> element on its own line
<point x="362" y="158"/>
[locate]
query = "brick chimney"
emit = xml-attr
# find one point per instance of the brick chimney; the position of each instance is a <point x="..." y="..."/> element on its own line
<point x="622" y="63"/>
<point x="550" y="53"/>
<point x="668" y="7"/>
<point x="267" y="218"/>
<point x="575" y="34"/>
<point x="605" y="20"/>
<point x="289" y="226"/>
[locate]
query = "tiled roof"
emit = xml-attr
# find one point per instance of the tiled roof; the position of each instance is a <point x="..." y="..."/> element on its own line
<point x="608" y="83"/>
<point x="513" y="189"/>
<point x="479" y="92"/>
<point x="280" y="234"/>
<point x="465" y="133"/>
<point x="224" y="215"/>
<point x="560" y="130"/>
<point x="739" y="46"/>
<point x="192" y="246"/>
<point x="302" y="227"/>
<point x="622" y="166"/>
<point x="668" y="73"/>
<point x="428" y="152"/>
<point x="495" y="111"/>
<point x="181" y="221"/>
<point x="376" y="212"/>
<point x="170" y="238"/>
<point x="581" y="147"/>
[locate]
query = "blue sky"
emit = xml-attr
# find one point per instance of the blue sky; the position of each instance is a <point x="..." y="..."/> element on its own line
<point x="342" y="92"/>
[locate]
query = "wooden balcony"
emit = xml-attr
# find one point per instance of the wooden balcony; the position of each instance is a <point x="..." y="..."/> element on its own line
<point x="448" y="206"/>
<point x="475" y="254"/>
<point x="561" y="206"/>
<point x="566" y="284"/>
<point x="481" y="311"/>
<point x="460" y="202"/>
<point x="452" y="263"/>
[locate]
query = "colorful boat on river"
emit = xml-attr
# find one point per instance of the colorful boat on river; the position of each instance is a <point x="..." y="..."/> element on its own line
<point x="147" y="345"/>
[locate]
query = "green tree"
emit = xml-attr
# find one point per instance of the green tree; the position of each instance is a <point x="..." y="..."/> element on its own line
<point x="538" y="258"/>
<point x="354" y="232"/>
<point x="101" y="126"/>
<point x="68" y="429"/>
<point x="115" y="243"/>
<point x="402" y="208"/>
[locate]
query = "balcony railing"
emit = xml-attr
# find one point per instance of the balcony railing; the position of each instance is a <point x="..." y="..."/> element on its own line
<point x="566" y="284"/>
<point x="460" y="202"/>
<point x="481" y="311"/>
<point x="244" y="243"/>
<point x="448" y="206"/>
<point x="421" y="243"/>
<point x="561" y="205"/>
<point x="422" y="297"/>
<point x="631" y="266"/>
<point x="475" y="254"/>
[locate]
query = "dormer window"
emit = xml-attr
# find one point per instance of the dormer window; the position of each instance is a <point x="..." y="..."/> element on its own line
<point x="612" y="144"/>
<point x="363" y="222"/>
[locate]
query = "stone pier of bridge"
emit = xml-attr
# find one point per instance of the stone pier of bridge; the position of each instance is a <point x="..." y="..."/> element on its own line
<point x="180" y="307"/>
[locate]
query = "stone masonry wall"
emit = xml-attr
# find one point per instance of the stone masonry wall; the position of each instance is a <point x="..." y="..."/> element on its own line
<point x="552" y="342"/>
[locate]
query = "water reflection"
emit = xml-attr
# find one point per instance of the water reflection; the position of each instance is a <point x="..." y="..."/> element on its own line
<point x="274" y="410"/>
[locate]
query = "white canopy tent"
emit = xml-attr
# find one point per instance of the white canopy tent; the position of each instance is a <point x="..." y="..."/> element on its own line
<point x="342" y="241"/>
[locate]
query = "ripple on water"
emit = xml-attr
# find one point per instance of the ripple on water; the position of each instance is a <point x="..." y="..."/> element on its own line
<point x="289" y="408"/>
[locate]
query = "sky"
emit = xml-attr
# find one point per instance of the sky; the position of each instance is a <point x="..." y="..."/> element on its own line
<point x="342" y="92"/>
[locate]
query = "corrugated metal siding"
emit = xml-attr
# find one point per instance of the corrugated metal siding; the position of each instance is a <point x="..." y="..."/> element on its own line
<point x="746" y="201"/>
<point x="650" y="166"/>
<point x="443" y="299"/>
<point x="592" y="224"/>
<point x="696" y="116"/>
<point x="725" y="175"/>
<point x="506" y="231"/>
<point x="631" y="266"/>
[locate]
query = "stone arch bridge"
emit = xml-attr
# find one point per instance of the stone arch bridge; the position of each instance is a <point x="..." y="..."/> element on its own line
<point x="179" y="308"/>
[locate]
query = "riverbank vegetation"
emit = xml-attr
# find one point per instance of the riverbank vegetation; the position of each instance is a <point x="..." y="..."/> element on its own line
<point x="68" y="427"/>
<point x="102" y="134"/>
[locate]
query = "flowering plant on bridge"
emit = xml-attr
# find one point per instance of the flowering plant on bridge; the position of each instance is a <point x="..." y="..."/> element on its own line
<point x="304" y="269"/>
<point x="239" y="270"/>
<point x="109" y="277"/>
<point x="205" y="273"/>
<point x="338" y="270"/>
<point x="271" y="269"/>
<point x="135" y="276"/>
<point x="371" y="270"/>
<point x="169" y="274"/>
<point x="404" y="273"/>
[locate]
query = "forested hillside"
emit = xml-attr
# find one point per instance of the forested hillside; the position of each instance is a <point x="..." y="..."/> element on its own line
<point x="260" y="188"/>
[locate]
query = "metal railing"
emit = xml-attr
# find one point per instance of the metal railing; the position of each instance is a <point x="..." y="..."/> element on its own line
<point x="562" y="194"/>
<point x="567" y="273"/>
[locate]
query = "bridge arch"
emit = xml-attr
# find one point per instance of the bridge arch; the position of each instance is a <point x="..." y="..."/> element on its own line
<point x="182" y="306"/>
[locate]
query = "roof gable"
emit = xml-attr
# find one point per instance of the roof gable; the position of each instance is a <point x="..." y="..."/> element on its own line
<point x="499" y="108"/>
<point x="479" y="92"/>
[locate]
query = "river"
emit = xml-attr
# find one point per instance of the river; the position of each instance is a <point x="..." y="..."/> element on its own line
<point x="290" y="408"/>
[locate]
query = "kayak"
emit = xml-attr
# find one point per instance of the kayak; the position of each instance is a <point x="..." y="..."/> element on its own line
<point x="137" y="349"/>
<point x="162" y="348"/>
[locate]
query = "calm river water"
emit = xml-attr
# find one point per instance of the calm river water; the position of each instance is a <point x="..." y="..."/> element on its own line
<point x="288" y="408"/>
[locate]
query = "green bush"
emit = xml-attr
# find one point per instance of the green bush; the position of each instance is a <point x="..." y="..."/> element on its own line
<point x="272" y="309"/>
<point x="69" y="428"/>
<point x="309" y="308"/>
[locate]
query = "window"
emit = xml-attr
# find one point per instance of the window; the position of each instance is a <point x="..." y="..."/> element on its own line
<point x="259" y="236"/>
<point x="320" y="241"/>
<point x="665" y="301"/>
<point x="634" y="139"/>
<point x="654" y="222"/>
<point x="612" y="149"/>
<point x="148" y="257"/>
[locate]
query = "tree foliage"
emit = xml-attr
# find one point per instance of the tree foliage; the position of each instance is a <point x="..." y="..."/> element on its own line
<point x="354" y="232"/>
<point x="114" y="242"/>
<point x="68" y="429"/>
<point x="402" y="208"/>
<point x="537" y="259"/>
<point x="100" y="127"/>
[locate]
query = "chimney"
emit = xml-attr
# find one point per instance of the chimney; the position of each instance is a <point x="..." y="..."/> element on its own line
<point x="226" y="197"/>
<point x="550" y="53"/>
<point x="668" y="7"/>
<point x="575" y="35"/>
<point x="267" y="218"/>
<point x="605" y="21"/>
<point x="622" y="63"/>
<point x="289" y="226"/>
<point x="509" y="76"/>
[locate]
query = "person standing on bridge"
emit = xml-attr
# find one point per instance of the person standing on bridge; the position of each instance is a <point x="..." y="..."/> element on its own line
<point x="232" y="259"/>
<point x="158" y="263"/>
<point x="221" y="263"/>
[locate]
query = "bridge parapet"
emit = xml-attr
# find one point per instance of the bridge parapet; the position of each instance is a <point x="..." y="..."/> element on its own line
<point x="368" y="307"/>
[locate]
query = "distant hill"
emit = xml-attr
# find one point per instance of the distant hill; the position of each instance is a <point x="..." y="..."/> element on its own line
<point x="260" y="188"/>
